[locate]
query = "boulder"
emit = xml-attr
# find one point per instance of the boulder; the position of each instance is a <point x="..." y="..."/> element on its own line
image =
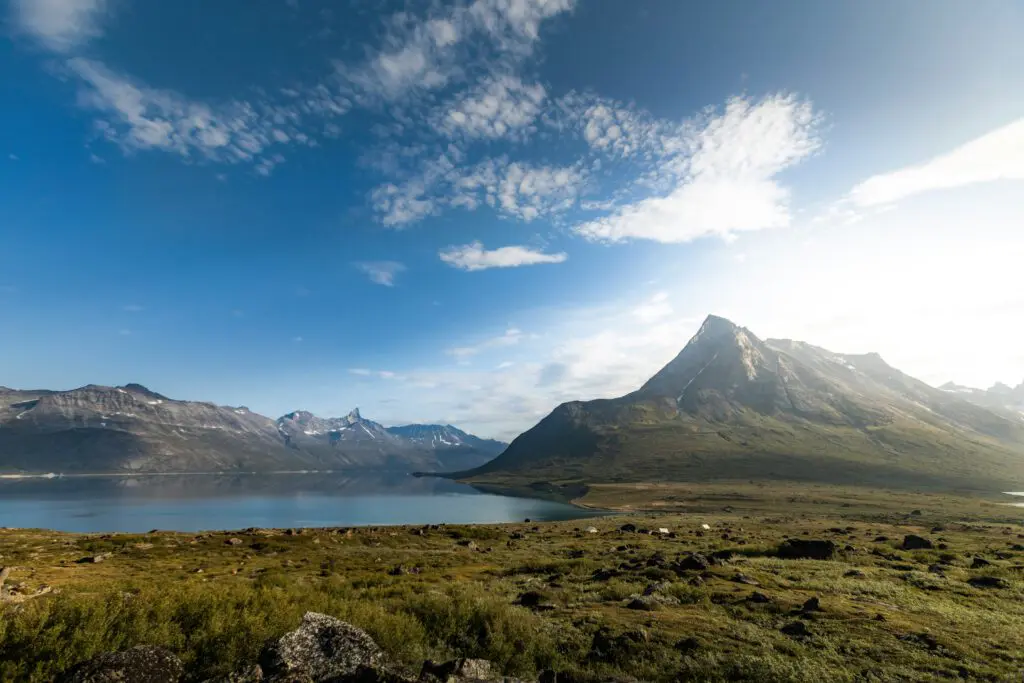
<point x="694" y="562"/>
<point x="979" y="562"/>
<point x="645" y="603"/>
<point x="988" y="582"/>
<point x="913" y="542"/>
<point x="321" y="649"/>
<point x="141" y="664"/>
<point x="628" y="528"/>
<point x="800" y="549"/>
<point x="811" y="605"/>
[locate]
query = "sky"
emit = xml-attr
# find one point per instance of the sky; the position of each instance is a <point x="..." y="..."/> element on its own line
<point x="470" y="212"/>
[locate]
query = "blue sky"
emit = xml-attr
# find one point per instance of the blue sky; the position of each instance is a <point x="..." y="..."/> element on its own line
<point x="470" y="212"/>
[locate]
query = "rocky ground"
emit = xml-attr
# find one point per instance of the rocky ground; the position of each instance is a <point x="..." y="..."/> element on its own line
<point x="828" y="587"/>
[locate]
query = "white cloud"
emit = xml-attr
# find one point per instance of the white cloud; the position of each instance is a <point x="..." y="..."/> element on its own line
<point x="381" y="272"/>
<point x="297" y="340"/>
<point x="12" y="157"/>
<point x="133" y="308"/>
<point x="362" y="372"/>
<point x="475" y="257"/>
<point x="515" y="190"/>
<point x="729" y="162"/>
<point x="137" y="118"/>
<point x="60" y="25"/>
<point x="998" y="155"/>
<point x="421" y="55"/>
<point x="501" y="106"/>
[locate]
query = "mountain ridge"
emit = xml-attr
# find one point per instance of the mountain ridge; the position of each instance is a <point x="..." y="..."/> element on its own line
<point x="732" y="405"/>
<point x="99" y="429"/>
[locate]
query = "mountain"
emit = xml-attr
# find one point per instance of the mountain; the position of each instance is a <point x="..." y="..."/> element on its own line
<point x="130" y="428"/>
<point x="733" y="406"/>
<point x="999" y="396"/>
<point x="455" y="449"/>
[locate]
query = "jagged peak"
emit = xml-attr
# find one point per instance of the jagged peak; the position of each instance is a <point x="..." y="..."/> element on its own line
<point x="715" y="325"/>
<point x="354" y="415"/>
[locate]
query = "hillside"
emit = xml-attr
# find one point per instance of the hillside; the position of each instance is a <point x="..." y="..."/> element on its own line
<point x="732" y="406"/>
<point x="100" y="429"/>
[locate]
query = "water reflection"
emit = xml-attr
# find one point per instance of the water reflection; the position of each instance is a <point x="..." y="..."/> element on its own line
<point x="197" y="502"/>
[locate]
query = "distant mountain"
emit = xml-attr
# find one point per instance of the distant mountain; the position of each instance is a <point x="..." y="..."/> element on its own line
<point x="732" y="406"/>
<point x="130" y="428"/>
<point x="455" y="449"/>
<point x="999" y="396"/>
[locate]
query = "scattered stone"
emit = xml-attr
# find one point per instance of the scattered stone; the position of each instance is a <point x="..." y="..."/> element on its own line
<point x="926" y="639"/>
<point x="469" y="544"/>
<point x="658" y="587"/>
<point x="881" y="539"/>
<point x="322" y="648"/>
<point x="591" y="529"/>
<point x="797" y="549"/>
<point x="746" y="580"/>
<point x="796" y="629"/>
<point x="95" y="559"/>
<point x="988" y="582"/>
<point x="812" y="605"/>
<point x="854" y="573"/>
<point x="879" y="617"/>
<point x="233" y="541"/>
<point x="532" y="599"/>
<point x="913" y="542"/>
<point x="694" y="562"/>
<point x="980" y="562"/>
<point x="759" y="598"/>
<point x="142" y="664"/>
<point x="458" y="669"/>
<point x="517" y="536"/>
<point x="643" y="603"/>
<point x="628" y="528"/>
<point x="916" y="513"/>
<point x="688" y="645"/>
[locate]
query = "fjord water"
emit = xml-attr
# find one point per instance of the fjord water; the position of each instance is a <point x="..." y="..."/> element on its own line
<point x="207" y="502"/>
<point x="1016" y="493"/>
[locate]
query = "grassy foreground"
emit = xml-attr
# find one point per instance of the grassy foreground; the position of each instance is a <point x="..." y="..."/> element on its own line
<point x="886" y="614"/>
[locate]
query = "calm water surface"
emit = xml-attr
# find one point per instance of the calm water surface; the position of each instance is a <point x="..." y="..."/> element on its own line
<point x="200" y="502"/>
<point x="1017" y="493"/>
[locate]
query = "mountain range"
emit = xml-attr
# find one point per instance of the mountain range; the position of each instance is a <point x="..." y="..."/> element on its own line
<point x="728" y="406"/>
<point x="733" y="406"/>
<point x="101" y="429"/>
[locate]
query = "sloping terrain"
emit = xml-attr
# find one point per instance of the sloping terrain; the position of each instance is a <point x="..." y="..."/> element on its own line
<point x="98" y="429"/>
<point x="731" y="406"/>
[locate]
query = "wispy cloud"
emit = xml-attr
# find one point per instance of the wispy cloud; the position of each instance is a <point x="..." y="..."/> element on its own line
<point x="60" y="25"/>
<point x="133" y="308"/>
<point x="511" y="337"/>
<point x="727" y="182"/>
<point x="475" y="257"/>
<point x="138" y="118"/>
<point x="381" y="272"/>
<point x="998" y="155"/>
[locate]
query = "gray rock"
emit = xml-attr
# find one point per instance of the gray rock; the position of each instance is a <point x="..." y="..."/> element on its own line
<point x="458" y="670"/>
<point x="796" y="629"/>
<point x="321" y="649"/>
<point x="250" y="674"/>
<point x="142" y="664"/>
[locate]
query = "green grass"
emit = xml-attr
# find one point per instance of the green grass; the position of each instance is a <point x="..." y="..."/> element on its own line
<point x="462" y="602"/>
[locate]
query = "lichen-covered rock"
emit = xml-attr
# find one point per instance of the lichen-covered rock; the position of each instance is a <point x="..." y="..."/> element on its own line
<point x="142" y="664"/>
<point x="250" y="674"/>
<point x="321" y="649"/>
